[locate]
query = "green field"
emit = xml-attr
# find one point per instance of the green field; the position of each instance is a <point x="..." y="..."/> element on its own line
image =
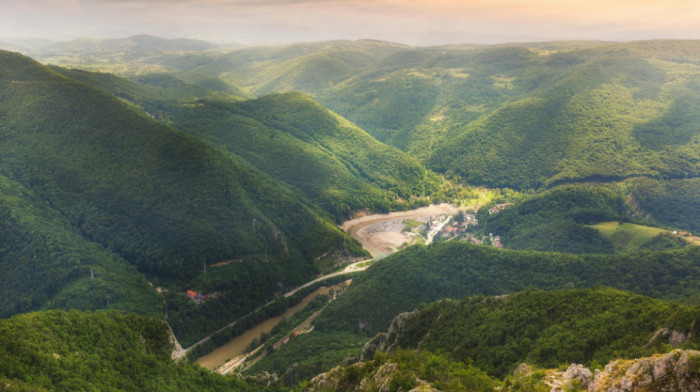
<point x="627" y="236"/>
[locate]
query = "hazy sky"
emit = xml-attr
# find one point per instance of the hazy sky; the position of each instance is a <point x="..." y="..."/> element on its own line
<point x="416" y="22"/>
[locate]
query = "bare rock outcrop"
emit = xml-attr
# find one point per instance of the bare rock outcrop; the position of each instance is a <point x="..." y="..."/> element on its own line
<point x="675" y="371"/>
<point x="580" y="373"/>
<point x="558" y="381"/>
<point x="386" y="341"/>
<point x="673" y="337"/>
<point x="379" y="379"/>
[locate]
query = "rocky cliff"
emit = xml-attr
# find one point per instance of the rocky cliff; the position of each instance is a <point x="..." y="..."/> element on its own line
<point x="389" y="340"/>
<point x="676" y="371"/>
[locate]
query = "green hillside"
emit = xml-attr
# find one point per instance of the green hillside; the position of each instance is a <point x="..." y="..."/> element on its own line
<point x="525" y="341"/>
<point x="289" y="136"/>
<point x="629" y="236"/>
<point x="74" y="351"/>
<point x="157" y="94"/>
<point x="401" y="282"/>
<point x="566" y="218"/>
<point x="547" y="329"/>
<point x="674" y="203"/>
<point x="320" y="155"/>
<point x="46" y="263"/>
<point x="556" y="220"/>
<point x="606" y="114"/>
<point x="455" y="270"/>
<point x="168" y="203"/>
<point x="522" y="116"/>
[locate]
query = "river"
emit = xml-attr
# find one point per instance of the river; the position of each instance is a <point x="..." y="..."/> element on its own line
<point x="238" y="345"/>
<point x="380" y="234"/>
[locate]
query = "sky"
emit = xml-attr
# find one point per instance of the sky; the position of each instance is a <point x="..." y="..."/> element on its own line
<point x="414" y="22"/>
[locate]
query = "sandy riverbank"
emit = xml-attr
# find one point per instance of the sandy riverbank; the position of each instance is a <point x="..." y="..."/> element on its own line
<point x="382" y="234"/>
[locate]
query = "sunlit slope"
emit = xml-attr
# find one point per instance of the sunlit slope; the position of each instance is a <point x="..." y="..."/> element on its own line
<point x="605" y="115"/>
<point x="290" y="136"/>
<point x="321" y="155"/>
<point x="310" y="66"/>
<point x="167" y="202"/>
<point x="523" y="116"/>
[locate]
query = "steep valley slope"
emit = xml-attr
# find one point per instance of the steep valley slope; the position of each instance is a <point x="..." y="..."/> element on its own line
<point x="166" y="202"/>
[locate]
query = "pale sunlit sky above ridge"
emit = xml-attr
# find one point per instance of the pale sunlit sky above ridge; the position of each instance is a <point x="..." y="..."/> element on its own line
<point x="417" y="22"/>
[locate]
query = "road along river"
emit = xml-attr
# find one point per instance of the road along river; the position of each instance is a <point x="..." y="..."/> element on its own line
<point x="382" y="234"/>
<point x="238" y="345"/>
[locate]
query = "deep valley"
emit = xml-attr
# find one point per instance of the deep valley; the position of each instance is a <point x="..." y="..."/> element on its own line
<point x="350" y="215"/>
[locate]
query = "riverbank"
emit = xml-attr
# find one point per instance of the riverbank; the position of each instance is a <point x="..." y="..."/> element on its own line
<point x="382" y="234"/>
<point x="237" y="346"/>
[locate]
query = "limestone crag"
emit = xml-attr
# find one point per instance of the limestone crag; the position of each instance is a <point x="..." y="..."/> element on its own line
<point x="576" y="375"/>
<point x="675" y="338"/>
<point x="386" y="341"/>
<point x="675" y="371"/>
<point x="380" y="380"/>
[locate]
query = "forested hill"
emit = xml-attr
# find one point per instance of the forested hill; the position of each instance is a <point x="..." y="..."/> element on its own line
<point x="570" y="340"/>
<point x="605" y="114"/>
<point x="522" y="116"/>
<point x="547" y="329"/>
<point x="321" y="155"/>
<point x="102" y="351"/>
<point x="290" y="136"/>
<point x="456" y="269"/>
<point x="166" y="202"/>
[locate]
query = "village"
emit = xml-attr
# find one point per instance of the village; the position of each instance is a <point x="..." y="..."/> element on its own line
<point x="445" y="227"/>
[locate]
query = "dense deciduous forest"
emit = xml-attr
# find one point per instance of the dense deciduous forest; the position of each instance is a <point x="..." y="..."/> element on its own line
<point x="166" y="202"/>
<point x="124" y="191"/>
<point x="454" y="270"/>
<point x="587" y="326"/>
<point x="105" y="351"/>
<point x="556" y="220"/>
<point x="524" y="116"/>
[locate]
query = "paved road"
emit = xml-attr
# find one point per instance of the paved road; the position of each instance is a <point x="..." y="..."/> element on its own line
<point x="179" y="352"/>
<point x="349" y="269"/>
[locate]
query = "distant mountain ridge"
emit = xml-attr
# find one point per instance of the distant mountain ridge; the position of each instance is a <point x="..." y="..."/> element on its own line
<point x="136" y="44"/>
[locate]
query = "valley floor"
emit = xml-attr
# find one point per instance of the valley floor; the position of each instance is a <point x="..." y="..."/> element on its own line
<point x="382" y="234"/>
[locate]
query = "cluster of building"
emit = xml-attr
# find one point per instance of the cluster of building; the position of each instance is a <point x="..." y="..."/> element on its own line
<point x="198" y="298"/>
<point x="498" y="208"/>
<point x="458" y="228"/>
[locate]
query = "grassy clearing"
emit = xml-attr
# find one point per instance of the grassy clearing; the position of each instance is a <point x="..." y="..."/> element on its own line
<point x="410" y="224"/>
<point x="627" y="236"/>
